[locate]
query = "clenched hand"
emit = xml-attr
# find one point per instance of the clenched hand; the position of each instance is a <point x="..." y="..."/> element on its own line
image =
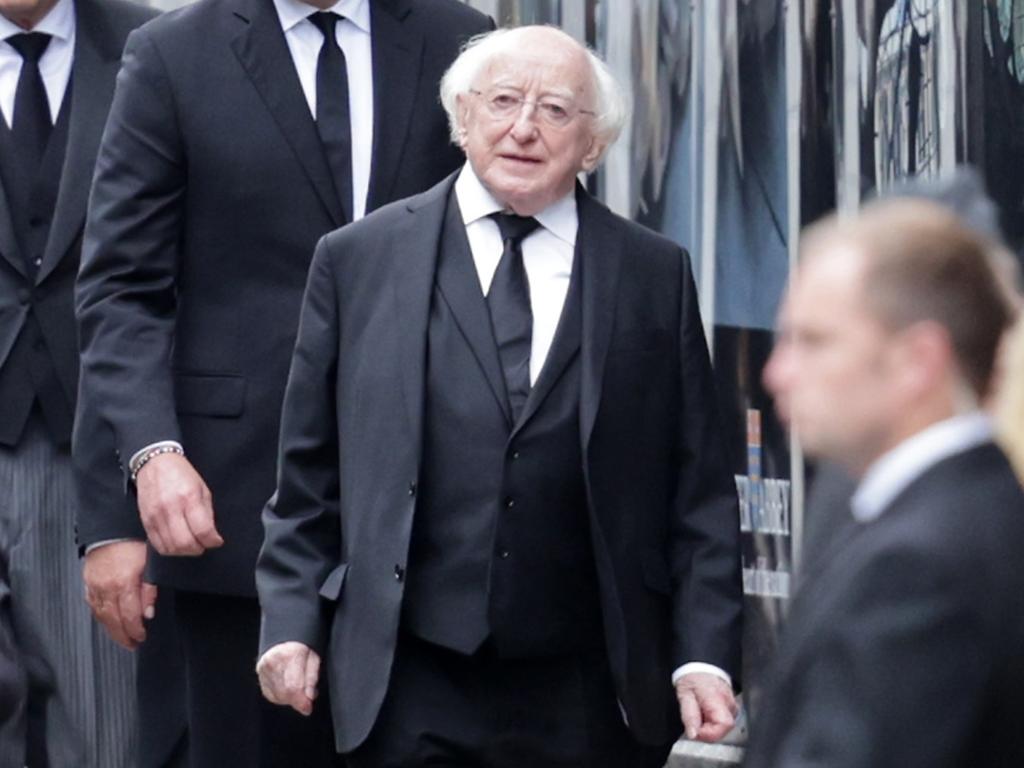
<point x="176" y="507"/>
<point x="707" y="706"/>
<point x="288" y="675"/>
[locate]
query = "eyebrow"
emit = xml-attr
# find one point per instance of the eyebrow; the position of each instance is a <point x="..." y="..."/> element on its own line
<point x="561" y="93"/>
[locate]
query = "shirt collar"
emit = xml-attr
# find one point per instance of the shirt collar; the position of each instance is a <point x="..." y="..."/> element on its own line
<point x="476" y="202"/>
<point x="291" y="12"/>
<point x="891" y="474"/>
<point x="59" y="23"/>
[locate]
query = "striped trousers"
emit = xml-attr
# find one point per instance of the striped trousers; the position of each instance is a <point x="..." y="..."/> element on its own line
<point x="80" y="707"/>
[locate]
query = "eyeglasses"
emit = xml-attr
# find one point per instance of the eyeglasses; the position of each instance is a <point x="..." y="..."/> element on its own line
<point x="503" y="104"/>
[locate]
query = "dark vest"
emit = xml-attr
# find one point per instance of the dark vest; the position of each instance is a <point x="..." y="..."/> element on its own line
<point x="28" y="375"/>
<point x="501" y="544"/>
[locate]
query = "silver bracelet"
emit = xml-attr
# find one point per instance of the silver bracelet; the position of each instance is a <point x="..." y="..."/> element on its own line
<point x="150" y="455"/>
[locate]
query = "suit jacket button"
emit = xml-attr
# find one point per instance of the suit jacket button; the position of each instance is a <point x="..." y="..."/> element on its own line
<point x="504" y="554"/>
<point x="399" y="573"/>
<point x="412" y="488"/>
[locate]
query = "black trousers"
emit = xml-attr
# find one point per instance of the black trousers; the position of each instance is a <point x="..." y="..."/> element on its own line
<point x="229" y="721"/>
<point x="447" y="710"/>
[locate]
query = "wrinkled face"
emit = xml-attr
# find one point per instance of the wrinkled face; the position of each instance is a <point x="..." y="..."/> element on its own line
<point x="529" y="158"/>
<point x="834" y="366"/>
<point x="26" y="13"/>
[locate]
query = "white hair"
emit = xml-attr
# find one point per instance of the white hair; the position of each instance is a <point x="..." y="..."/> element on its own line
<point x="611" y="106"/>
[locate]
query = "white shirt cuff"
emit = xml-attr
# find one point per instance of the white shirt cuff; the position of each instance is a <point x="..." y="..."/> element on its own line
<point x="98" y="544"/>
<point x="700" y="666"/>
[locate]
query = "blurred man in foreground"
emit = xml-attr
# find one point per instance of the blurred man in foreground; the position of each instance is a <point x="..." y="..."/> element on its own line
<point x="904" y="649"/>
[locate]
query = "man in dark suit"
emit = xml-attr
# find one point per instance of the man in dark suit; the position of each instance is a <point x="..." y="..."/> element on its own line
<point x="58" y="62"/>
<point x="903" y="647"/>
<point x="503" y="519"/>
<point x="241" y="131"/>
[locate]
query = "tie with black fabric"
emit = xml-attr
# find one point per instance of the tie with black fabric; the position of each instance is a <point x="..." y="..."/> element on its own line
<point x="509" y="302"/>
<point x="32" y="124"/>
<point x="332" y="116"/>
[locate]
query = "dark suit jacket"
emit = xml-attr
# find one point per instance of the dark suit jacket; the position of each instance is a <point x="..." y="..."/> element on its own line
<point x="101" y="29"/>
<point x="211" y="191"/>
<point x="662" y="506"/>
<point x="905" y="648"/>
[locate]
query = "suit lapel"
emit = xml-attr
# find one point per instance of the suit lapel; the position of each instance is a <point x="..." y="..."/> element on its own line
<point x="263" y="52"/>
<point x="91" y="88"/>
<point x="416" y="251"/>
<point x="459" y="286"/>
<point x="397" y="49"/>
<point x="604" y="248"/>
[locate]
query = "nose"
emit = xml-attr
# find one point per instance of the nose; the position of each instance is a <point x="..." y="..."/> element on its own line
<point x="524" y="128"/>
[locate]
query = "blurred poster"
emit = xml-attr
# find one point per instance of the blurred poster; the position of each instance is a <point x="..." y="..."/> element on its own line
<point x="687" y="66"/>
<point x="759" y="449"/>
<point x="995" y="106"/>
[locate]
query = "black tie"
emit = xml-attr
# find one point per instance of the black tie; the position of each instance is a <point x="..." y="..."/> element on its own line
<point x="332" y="118"/>
<point x="509" y="303"/>
<point x="32" y="123"/>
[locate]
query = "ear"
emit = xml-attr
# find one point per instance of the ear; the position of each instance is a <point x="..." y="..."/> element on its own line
<point x="926" y="358"/>
<point x="593" y="154"/>
<point x="462" y="113"/>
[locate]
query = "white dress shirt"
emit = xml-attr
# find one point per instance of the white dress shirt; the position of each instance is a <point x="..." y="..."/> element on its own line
<point x="548" y="255"/>
<point x="893" y="472"/>
<point x="353" y="34"/>
<point x="54" y="66"/>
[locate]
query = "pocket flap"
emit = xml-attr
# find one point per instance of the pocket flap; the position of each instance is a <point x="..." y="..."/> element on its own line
<point x="331" y="588"/>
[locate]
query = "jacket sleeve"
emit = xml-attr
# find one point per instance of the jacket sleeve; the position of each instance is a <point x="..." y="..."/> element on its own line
<point x="705" y="536"/>
<point x="302" y="539"/>
<point x="125" y="297"/>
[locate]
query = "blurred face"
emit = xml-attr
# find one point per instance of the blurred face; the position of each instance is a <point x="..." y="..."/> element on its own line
<point x="522" y="128"/>
<point x="834" y="368"/>
<point x="26" y="13"/>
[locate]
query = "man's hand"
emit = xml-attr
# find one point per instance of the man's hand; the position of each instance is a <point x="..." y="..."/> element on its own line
<point x="115" y="591"/>
<point x="707" y="706"/>
<point x="288" y="675"/>
<point x="176" y="507"/>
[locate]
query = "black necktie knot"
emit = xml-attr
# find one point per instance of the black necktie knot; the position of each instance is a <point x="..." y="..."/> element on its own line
<point x="513" y="227"/>
<point x="30" y="45"/>
<point x="325" y="21"/>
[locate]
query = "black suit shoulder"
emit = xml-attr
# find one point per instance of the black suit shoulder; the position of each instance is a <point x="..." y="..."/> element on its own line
<point x="121" y="16"/>
<point x="437" y="19"/>
<point x="109" y="22"/>
<point x="360" y="237"/>
<point x="645" y="246"/>
<point x="449" y="15"/>
<point x="967" y="514"/>
<point x="178" y="27"/>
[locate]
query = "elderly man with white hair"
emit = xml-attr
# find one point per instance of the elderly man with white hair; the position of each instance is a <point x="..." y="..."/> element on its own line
<point x="504" y="520"/>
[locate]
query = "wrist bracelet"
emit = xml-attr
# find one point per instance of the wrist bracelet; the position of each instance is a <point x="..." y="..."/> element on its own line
<point x="150" y="455"/>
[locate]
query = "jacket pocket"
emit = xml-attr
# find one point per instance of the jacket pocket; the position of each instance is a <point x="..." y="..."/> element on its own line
<point x="331" y="588"/>
<point x="209" y="394"/>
